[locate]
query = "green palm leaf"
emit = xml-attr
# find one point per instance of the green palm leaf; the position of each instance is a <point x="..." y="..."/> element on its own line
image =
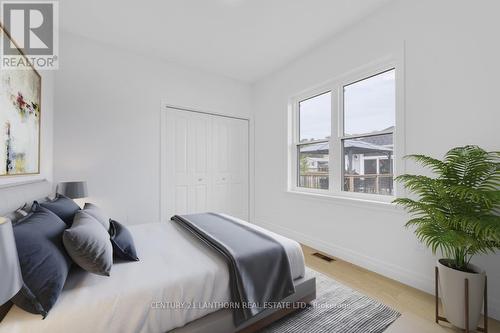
<point x="457" y="211"/>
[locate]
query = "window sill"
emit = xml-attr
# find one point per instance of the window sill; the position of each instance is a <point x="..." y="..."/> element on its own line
<point x="371" y="201"/>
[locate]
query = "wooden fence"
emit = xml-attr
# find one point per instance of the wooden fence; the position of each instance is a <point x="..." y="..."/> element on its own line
<point x="375" y="184"/>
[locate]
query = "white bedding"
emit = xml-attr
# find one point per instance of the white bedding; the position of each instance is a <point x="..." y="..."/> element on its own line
<point x="173" y="267"/>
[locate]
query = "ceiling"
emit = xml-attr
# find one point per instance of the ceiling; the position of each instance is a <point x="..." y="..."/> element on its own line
<point x="241" y="39"/>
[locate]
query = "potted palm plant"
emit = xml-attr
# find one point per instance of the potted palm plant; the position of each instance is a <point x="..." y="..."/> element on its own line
<point x="457" y="213"/>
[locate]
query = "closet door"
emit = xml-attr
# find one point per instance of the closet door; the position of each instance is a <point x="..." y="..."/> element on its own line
<point x="230" y="166"/>
<point x="187" y="162"/>
<point x="207" y="164"/>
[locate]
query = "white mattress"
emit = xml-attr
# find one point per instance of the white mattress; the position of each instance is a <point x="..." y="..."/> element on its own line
<point x="173" y="267"/>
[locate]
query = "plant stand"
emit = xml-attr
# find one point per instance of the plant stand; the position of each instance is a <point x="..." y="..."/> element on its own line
<point x="466" y="294"/>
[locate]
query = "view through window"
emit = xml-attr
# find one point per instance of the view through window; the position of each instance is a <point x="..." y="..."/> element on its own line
<point x="365" y="138"/>
<point x="369" y="120"/>
<point x="313" y="150"/>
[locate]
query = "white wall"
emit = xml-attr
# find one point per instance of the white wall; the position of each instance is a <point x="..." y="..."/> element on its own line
<point x="107" y="123"/>
<point x="46" y="135"/>
<point x="452" y="71"/>
<point x="107" y="128"/>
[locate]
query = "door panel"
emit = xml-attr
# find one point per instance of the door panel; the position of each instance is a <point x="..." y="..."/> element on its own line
<point x="200" y="199"/>
<point x="207" y="164"/>
<point x="220" y="144"/>
<point x="181" y="199"/>
<point x="231" y="165"/>
<point x="237" y="200"/>
<point x="220" y="198"/>
<point x="200" y="128"/>
<point x="180" y="147"/>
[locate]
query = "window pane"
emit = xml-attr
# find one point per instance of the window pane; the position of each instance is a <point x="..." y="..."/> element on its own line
<point x="370" y="104"/>
<point x="385" y="166"/>
<point x="368" y="164"/>
<point x="314" y="117"/>
<point x="313" y="165"/>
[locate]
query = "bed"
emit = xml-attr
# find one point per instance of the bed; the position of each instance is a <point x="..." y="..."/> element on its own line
<point x="178" y="286"/>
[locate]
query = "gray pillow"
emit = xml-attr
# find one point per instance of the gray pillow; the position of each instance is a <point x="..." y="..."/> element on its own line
<point x="88" y="244"/>
<point x="43" y="260"/>
<point x="98" y="214"/>
<point x="19" y="214"/>
<point x="63" y="207"/>
<point x="122" y="241"/>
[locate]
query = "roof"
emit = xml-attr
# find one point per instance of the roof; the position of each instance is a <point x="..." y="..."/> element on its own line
<point x="356" y="146"/>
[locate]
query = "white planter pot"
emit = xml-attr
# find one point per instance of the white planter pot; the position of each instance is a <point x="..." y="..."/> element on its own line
<point x="452" y="291"/>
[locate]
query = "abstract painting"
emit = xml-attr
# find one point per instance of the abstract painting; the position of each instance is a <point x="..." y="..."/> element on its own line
<point x="20" y="91"/>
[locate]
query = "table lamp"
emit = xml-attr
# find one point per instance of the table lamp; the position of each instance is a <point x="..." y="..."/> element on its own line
<point x="73" y="190"/>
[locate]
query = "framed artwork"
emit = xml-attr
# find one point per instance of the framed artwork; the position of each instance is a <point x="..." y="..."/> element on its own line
<point x="20" y="114"/>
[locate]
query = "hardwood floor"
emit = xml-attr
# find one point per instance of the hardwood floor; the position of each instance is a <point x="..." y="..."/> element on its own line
<point x="416" y="307"/>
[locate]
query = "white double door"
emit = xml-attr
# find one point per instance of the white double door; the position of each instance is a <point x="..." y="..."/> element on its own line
<point x="207" y="164"/>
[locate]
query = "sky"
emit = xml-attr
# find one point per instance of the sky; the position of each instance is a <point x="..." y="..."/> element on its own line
<point x="369" y="106"/>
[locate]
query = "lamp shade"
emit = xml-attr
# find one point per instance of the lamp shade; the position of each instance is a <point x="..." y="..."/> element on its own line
<point x="73" y="190"/>
<point x="11" y="279"/>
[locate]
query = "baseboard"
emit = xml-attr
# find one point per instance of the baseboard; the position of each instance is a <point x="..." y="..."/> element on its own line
<point x="400" y="274"/>
<point x="494" y="309"/>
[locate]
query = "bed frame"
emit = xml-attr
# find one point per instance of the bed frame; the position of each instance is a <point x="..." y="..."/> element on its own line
<point x="13" y="197"/>
<point x="222" y="320"/>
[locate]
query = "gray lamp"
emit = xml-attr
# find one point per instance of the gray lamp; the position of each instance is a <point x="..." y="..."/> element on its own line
<point x="11" y="279"/>
<point x="73" y="190"/>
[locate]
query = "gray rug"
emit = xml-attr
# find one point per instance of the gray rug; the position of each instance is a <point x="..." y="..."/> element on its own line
<point x="337" y="309"/>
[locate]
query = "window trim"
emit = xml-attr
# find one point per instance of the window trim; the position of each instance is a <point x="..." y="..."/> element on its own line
<point x="336" y="87"/>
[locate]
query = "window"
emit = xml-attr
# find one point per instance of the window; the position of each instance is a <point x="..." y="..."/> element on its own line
<point x="369" y="120"/>
<point x="370" y="104"/>
<point x="313" y="150"/>
<point x="344" y="136"/>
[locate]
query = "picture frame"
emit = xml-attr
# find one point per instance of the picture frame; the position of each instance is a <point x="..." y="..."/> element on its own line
<point x="20" y="117"/>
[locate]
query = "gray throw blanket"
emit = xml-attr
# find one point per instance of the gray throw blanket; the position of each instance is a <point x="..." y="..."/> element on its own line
<point x="259" y="269"/>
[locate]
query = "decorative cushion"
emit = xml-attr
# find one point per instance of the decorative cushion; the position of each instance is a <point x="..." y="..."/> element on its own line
<point x="88" y="244"/>
<point x="98" y="214"/>
<point x="43" y="260"/>
<point x="63" y="207"/>
<point x="123" y="244"/>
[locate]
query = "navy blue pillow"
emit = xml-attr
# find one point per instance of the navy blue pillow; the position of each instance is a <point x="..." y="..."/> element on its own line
<point x="123" y="244"/>
<point x="43" y="260"/>
<point x="63" y="207"/>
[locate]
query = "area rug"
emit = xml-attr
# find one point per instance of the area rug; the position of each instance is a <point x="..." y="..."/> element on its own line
<point x="337" y="309"/>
